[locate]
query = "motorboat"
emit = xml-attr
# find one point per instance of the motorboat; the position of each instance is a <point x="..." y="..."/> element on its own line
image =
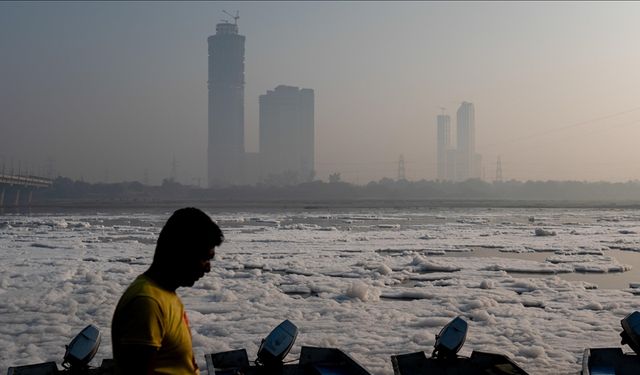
<point x="269" y="361"/>
<point x="270" y="358"/>
<point x="613" y="361"/>
<point x="444" y="359"/>
<point x="77" y="356"/>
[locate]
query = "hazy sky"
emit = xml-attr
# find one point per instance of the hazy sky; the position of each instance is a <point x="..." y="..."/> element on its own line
<point x="114" y="89"/>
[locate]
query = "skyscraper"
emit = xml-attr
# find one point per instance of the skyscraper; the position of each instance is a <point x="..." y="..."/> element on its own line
<point x="287" y="135"/>
<point x="466" y="142"/>
<point x="226" y="106"/>
<point x="444" y="143"/>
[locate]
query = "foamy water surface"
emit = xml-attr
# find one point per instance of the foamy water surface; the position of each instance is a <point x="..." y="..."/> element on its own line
<point x="372" y="282"/>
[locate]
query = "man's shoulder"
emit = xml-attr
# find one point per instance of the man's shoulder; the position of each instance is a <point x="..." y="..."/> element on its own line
<point x="144" y="298"/>
<point x="143" y="286"/>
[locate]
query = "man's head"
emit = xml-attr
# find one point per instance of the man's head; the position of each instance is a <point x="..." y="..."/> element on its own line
<point x="186" y="246"/>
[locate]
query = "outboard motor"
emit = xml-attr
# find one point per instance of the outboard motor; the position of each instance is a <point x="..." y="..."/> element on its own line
<point x="445" y="360"/>
<point x="82" y="349"/>
<point x="614" y="360"/>
<point x="77" y="356"/>
<point x="274" y="348"/>
<point x="450" y="339"/>
<point x="277" y="344"/>
<point x="271" y="353"/>
<point x="631" y="331"/>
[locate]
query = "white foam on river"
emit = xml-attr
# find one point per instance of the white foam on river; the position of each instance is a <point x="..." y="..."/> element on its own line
<point x="371" y="282"/>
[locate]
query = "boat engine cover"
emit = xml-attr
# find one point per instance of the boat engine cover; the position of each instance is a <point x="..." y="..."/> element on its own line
<point x="83" y="347"/>
<point x="631" y="331"/>
<point x="451" y="338"/>
<point x="277" y="344"/>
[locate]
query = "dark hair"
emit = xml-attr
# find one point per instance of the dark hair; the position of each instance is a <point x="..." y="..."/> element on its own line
<point x="188" y="232"/>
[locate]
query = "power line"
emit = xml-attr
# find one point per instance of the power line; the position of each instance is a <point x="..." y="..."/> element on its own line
<point x="574" y="125"/>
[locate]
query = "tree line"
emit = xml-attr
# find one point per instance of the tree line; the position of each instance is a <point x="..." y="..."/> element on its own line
<point x="337" y="190"/>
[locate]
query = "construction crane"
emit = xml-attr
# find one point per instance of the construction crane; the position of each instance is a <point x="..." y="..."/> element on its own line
<point x="235" y="18"/>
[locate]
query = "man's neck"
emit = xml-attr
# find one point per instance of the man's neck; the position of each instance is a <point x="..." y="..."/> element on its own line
<point x="159" y="276"/>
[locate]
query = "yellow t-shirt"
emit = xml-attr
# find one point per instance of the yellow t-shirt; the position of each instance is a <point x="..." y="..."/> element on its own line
<point x="149" y="315"/>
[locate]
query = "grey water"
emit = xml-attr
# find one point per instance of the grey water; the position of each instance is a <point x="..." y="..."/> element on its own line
<point x="604" y="280"/>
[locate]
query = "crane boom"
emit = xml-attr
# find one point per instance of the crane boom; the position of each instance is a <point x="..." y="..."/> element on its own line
<point x="235" y="18"/>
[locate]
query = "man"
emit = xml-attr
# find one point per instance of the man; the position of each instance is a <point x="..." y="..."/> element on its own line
<point x="150" y="330"/>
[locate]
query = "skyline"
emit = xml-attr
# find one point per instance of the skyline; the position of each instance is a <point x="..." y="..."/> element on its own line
<point x="555" y="86"/>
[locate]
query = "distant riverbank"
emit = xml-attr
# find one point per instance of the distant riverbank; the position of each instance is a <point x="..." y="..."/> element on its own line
<point x="85" y="204"/>
<point x="385" y="193"/>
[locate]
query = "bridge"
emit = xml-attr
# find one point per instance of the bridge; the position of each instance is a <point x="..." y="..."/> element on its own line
<point x="16" y="183"/>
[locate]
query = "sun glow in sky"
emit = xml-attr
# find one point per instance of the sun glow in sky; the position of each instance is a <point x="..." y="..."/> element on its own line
<point x="116" y="90"/>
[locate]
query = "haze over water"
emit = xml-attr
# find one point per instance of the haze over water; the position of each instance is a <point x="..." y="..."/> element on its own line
<point x="113" y="91"/>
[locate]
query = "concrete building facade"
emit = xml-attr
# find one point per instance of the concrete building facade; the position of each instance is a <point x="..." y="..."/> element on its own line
<point x="466" y="142"/>
<point x="287" y="134"/>
<point x="459" y="162"/>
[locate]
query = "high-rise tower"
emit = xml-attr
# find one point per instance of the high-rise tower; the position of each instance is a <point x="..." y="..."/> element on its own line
<point x="402" y="176"/>
<point x="287" y="134"/>
<point x="226" y="105"/>
<point x="466" y="142"/>
<point x="444" y="144"/>
<point x="499" y="170"/>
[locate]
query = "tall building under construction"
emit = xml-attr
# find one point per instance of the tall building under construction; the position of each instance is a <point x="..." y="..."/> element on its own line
<point x="225" y="151"/>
